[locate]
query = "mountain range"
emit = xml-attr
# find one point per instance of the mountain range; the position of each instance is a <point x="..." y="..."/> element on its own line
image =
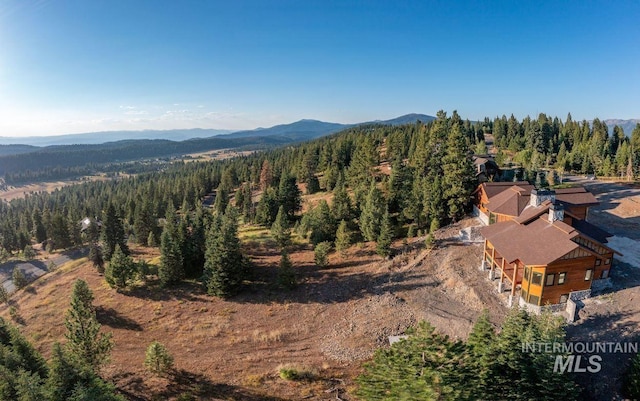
<point x="297" y="131"/>
<point x="627" y="125"/>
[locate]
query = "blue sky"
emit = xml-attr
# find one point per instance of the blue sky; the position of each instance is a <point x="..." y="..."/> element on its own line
<point x="69" y="66"/>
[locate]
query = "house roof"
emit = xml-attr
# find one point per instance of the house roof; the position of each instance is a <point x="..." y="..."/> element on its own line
<point x="537" y="243"/>
<point x="590" y="230"/>
<point x="576" y="196"/>
<point x="511" y="201"/>
<point x="531" y="212"/>
<point x="494" y="188"/>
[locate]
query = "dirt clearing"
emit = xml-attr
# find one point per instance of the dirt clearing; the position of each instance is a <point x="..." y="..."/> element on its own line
<point x="328" y="325"/>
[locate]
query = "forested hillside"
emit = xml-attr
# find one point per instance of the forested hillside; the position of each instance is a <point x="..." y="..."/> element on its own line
<point x="59" y="162"/>
<point x="378" y="183"/>
<point x="429" y="181"/>
<point x="581" y="147"/>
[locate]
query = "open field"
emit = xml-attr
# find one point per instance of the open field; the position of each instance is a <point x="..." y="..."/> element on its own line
<point x="23" y="190"/>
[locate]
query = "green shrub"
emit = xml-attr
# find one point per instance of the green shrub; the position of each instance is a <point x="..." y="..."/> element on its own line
<point x="19" y="279"/>
<point x="157" y="359"/>
<point x="631" y="384"/>
<point x="4" y="294"/>
<point x="295" y="373"/>
<point x="28" y="252"/>
<point x="321" y="253"/>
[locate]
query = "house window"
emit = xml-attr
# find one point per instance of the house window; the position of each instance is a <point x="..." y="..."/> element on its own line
<point x="588" y="274"/>
<point x="598" y="261"/>
<point x="534" y="299"/>
<point x="524" y="294"/>
<point x="536" y="279"/>
<point x="492" y="218"/>
<point x="606" y="262"/>
<point x="561" y="278"/>
<point x="564" y="298"/>
<point x="526" y="272"/>
<point x="604" y="274"/>
<point x="550" y="279"/>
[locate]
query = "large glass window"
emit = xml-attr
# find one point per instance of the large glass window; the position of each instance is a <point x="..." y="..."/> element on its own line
<point x="536" y="278"/>
<point x="534" y="299"/>
<point x="588" y="274"/>
<point x="561" y="278"/>
<point x="550" y="279"/>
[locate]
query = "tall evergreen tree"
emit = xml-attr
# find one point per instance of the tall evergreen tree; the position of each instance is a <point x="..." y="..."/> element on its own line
<point x="343" y="238"/>
<point x="39" y="230"/>
<point x="224" y="268"/>
<point x="84" y="340"/>
<point x="280" y="230"/>
<point x="171" y="269"/>
<point x="144" y="222"/>
<point x="113" y="233"/>
<point x="322" y="224"/>
<point x="383" y="245"/>
<point x="120" y="270"/>
<point x="267" y="209"/>
<point x="458" y="174"/>
<point x="372" y="212"/>
<point x="341" y="207"/>
<point x="289" y="196"/>
<point x="286" y="274"/>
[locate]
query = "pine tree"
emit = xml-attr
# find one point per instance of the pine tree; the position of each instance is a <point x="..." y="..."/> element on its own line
<point x="458" y="174"/>
<point x="631" y="383"/>
<point x="280" y="230"/>
<point x="157" y="359"/>
<point x="144" y="222"/>
<point x="321" y="254"/>
<point x="322" y="224"/>
<point x="341" y="207"/>
<point x="120" y="270"/>
<point x="343" y="238"/>
<point x="19" y="279"/>
<point x="84" y="340"/>
<point x="286" y="274"/>
<point x="224" y="267"/>
<point x="267" y="209"/>
<point x="372" y="212"/>
<point x="383" y="246"/>
<point x="39" y="230"/>
<point x="266" y="175"/>
<point x="113" y="233"/>
<point x="95" y="257"/>
<point x="289" y="196"/>
<point x="171" y="269"/>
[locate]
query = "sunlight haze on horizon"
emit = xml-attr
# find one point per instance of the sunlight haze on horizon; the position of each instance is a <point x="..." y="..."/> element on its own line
<point x="85" y="66"/>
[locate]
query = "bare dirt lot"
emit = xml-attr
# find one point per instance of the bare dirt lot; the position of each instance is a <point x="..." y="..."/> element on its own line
<point x="231" y="349"/>
<point x="614" y="315"/>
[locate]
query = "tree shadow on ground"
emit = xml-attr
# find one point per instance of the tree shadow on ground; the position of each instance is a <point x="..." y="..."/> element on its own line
<point x="200" y="386"/>
<point x="616" y="328"/>
<point x="152" y="290"/>
<point x="110" y="317"/>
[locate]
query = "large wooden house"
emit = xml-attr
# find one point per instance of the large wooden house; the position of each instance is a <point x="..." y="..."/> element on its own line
<point x="543" y="251"/>
<point x="495" y="202"/>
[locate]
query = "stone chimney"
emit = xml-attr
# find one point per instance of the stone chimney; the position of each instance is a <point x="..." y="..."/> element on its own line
<point x="538" y="196"/>
<point x="556" y="212"/>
